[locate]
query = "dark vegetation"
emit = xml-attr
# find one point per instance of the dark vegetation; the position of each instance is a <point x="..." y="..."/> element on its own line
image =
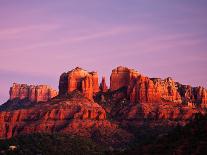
<point x="188" y="140"/>
<point x="49" y="144"/>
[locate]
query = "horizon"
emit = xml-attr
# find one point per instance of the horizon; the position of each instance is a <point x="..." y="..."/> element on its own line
<point x="41" y="40"/>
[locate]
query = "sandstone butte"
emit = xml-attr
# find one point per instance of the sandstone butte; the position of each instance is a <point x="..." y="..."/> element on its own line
<point x="144" y="89"/>
<point x="84" y="108"/>
<point x="79" y="79"/>
<point x="33" y="93"/>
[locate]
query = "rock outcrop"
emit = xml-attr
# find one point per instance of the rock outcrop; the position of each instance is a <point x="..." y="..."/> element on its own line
<point x="103" y="85"/>
<point x="193" y="95"/>
<point x="121" y="77"/>
<point x="79" y="79"/>
<point x="33" y="93"/>
<point x="143" y="89"/>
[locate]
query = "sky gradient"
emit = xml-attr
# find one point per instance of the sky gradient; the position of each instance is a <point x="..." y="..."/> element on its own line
<point x="41" y="39"/>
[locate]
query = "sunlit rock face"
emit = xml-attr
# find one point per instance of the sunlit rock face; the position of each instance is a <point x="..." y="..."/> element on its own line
<point x="154" y="90"/>
<point x="79" y="79"/>
<point x="143" y="89"/>
<point x="33" y="93"/>
<point x="193" y="95"/>
<point x="121" y="77"/>
<point x="157" y="90"/>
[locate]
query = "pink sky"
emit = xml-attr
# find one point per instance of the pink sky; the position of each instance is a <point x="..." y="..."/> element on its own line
<point x="40" y="40"/>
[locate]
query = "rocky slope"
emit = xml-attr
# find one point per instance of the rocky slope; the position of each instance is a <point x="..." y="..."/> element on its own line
<point x="73" y="115"/>
<point x="109" y="116"/>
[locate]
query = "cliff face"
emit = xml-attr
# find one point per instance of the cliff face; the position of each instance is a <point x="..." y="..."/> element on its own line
<point x="195" y="95"/>
<point x="121" y="77"/>
<point x="33" y="93"/>
<point x="79" y="79"/>
<point x="144" y="89"/>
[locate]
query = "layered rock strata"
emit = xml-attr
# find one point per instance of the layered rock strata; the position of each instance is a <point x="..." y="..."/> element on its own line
<point x="33" y="93"/>
<point x="144" y="89"/>
<point x="79" y="79"/>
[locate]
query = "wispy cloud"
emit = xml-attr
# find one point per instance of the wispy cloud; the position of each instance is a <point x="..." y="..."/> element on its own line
<point x="109" y="32"/>
<point x="161" y="42"/>
<point x="16" y="32"/>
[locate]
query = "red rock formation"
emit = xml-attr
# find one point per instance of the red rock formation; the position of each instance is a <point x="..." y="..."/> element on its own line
<point x="49" y="117"/>
<point x="157" y="90"/>
<point x="121" y="77"/>
<point x="193" y="95"/>
<point x="169" y="90"/>
<point x="153" y="90"/>
<point x="95" y="82"/>
<point x="79" y="79"/>
<point x="144" y="89"/>
<point x="20" y="91"/>
<point x="33" y="93"/>
<point x="77" y="115"/>
<point x="103" y="85"/>
<point x="133" y="98"/>
<point x="203" y="96"/>
<point x="87" y="87"/>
